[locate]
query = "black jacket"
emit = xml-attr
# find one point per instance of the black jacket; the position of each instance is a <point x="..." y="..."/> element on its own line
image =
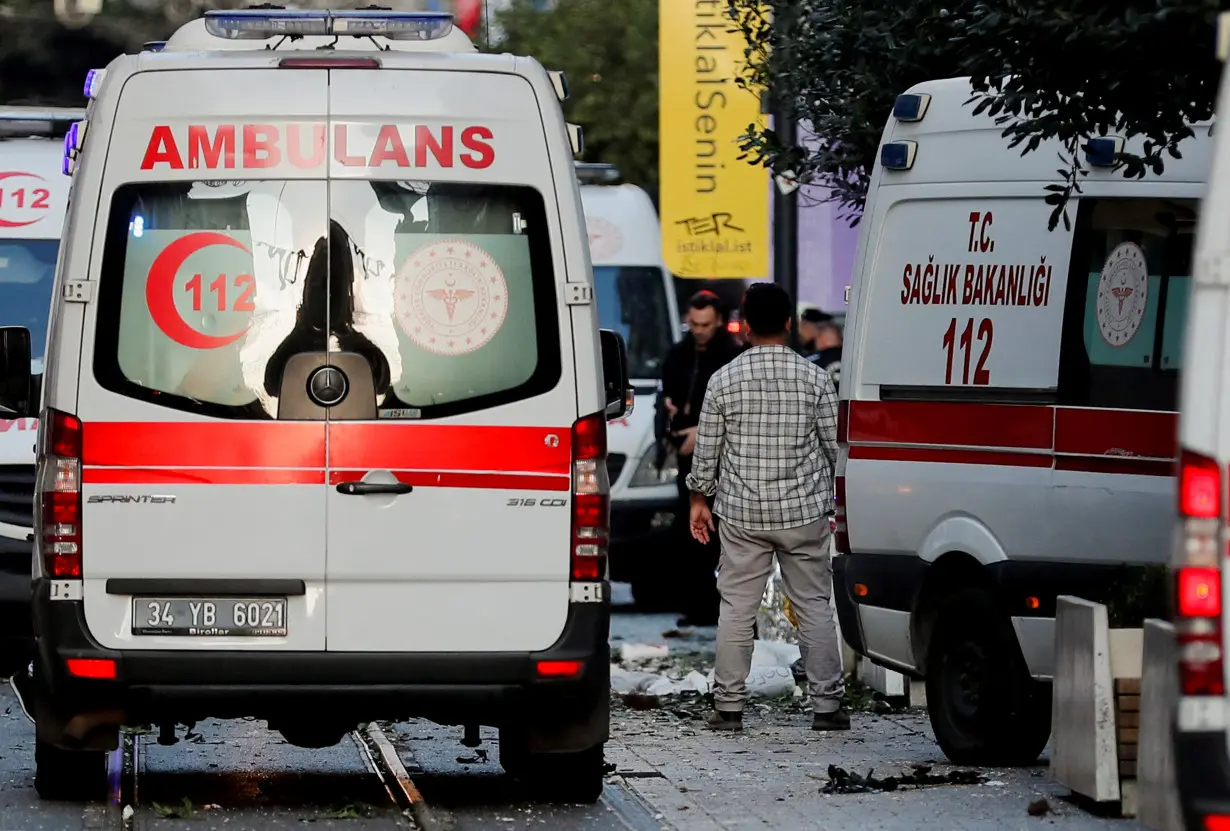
<point x="685" y="375"/>
<point x="830" y="361"/>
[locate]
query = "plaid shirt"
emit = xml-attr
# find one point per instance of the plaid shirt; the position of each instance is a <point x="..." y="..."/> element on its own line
<point x="770" y="418"/>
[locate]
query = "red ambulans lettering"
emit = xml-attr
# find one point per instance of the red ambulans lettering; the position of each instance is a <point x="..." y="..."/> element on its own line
<point x="256" y="146"/>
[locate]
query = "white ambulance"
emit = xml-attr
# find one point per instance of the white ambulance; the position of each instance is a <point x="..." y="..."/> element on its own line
<point x="636" y="298"/>
<point x="1201" y="720"/>
<point x="323" y="430"/>
<point x="1008" y="407"/>
<point x="33" y="196"/>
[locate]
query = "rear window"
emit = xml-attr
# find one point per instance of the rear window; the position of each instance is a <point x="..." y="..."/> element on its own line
<point x="632" y="300"/>
<point x="1126" y="309"/>
<point x="27" y="272"/>
<point x="209" y="288"/>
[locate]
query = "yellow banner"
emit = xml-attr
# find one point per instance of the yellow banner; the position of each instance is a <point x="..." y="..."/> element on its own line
<point x="714" y="206"/>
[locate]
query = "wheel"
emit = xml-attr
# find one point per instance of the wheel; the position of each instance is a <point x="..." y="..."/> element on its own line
<point x="69" y="775"/>
<point x="985" y="709"/>
<point x="555" y="777"/>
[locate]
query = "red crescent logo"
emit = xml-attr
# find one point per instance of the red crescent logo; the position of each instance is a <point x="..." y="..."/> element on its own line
<point x="160" y="290"/>
<point x="8" y="223"/>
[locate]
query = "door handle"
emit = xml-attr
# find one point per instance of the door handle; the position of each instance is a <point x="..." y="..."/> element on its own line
<point x="373" y="488"/>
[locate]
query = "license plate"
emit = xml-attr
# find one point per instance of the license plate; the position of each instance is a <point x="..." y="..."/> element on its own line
<point x="257" y="617"/>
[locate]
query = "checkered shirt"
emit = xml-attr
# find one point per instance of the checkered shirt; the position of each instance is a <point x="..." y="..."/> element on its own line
<point x="769" y="425"/>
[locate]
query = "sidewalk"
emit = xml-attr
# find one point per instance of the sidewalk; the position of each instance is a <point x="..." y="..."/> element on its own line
<point x="771" y="775"/>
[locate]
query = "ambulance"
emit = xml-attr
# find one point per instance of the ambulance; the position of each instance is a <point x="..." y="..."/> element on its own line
<point x="322" y="438"/>
<point x="1201" y="716"/>
<point x="635" y="297"/>
<point x="1008" y="407"/>
<point x="33" y="197"/>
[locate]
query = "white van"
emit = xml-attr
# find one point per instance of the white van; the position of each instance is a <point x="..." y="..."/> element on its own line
<point x="1008" y="401"/>
<point x="33" y="196"/>
<point x="323" y="430"/>
<point x="635" y="298"/>
<point x="1201" y="720"/>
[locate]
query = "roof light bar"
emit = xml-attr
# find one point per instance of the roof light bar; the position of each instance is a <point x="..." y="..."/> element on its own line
<point x="262" y="24"/>
<point x="596" y="173"/>
<point x="93" y="82"/>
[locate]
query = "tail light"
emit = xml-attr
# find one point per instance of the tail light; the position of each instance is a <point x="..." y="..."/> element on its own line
<point x="591" y="499"/>
<point x="841" y="535"/>
<point x="1197" y="576"/>
<point x="60" y="495"/>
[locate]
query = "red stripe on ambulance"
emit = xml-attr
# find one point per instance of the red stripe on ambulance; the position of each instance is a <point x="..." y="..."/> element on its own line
<point x="1088" y="439"/>
<point x="258" y="146"/>
<point x="213" y="452"/>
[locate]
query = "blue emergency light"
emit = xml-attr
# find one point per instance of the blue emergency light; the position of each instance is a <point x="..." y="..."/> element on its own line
<point x="911" y="106"/>
<point x="1102" y="152"/>
<point x="898" y="155"/>
<point x="262" y="24"/>
<point x="93" y="81"/>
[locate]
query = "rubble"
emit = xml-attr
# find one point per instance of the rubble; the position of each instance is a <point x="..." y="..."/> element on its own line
<point x="842" y="781"/>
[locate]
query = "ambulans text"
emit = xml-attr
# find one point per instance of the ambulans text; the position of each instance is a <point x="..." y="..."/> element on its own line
<point x="255" y="146"/>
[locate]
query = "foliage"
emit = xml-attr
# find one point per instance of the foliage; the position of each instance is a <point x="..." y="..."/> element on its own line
<point x="1138" y="594"/>
<point x="42" y="61"/>
<point x="608" y="51"/>
<point x="1065" y="70"/>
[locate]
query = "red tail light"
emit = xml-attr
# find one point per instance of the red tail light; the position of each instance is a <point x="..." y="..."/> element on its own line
<point x="329" y="63"/>
<point x="1197" y="577"/>
<point x="591" y="499"/>
<point x="1199" y="486"/>
<point x="98" y="668"/>
<point x="60" y="492"/>
<point x="842" y="535"/>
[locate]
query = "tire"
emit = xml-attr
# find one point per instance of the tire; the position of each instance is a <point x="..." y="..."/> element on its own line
<point x="985" y="709"/>
<point x="563" y="778"/>
<point x="69" y="775"/>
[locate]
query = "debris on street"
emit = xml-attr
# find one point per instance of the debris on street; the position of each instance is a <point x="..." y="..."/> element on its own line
<point x="842" y="781"/>
<point x="648" y="669"/>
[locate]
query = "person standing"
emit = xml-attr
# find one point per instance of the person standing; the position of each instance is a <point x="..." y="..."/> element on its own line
<point x="686" y="371"/>
<point x="827" y="352"/>
<point x="766" y="446"/>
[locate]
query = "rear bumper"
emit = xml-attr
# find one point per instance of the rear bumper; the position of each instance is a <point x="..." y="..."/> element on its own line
<point x="1202" y="776"/>
<point x="446" y="687"/>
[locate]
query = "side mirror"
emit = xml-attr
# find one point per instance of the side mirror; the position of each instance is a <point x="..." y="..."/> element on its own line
<point x="615" y="374"/>
<point x="15" y="381"/>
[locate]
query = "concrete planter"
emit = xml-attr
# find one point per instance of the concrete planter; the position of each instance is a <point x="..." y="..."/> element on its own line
<point x="1096" y="704"/>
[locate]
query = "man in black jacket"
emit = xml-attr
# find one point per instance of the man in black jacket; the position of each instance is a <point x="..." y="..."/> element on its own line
<point x="689" y="364"/>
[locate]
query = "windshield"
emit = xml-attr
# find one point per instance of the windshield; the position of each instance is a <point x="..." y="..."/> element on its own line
<point x="27" y="270"/>
<point x="632" y="301"/>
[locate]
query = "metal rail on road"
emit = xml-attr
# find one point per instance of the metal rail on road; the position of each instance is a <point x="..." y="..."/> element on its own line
<point x="382" y="759"/>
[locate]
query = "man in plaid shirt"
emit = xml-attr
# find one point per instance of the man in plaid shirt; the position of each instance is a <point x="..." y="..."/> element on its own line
<point x="767" y="446"/>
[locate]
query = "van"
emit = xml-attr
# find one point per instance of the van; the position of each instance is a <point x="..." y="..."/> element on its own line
<point x="322" y="438"/>
<point x="1007" y="408"/>
<point x="636" y="299"/>
<point x="33" y="197"/>
<point x="1200" y="718"/>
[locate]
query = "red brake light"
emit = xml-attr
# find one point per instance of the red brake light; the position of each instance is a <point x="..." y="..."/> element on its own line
<point x="60" y="493"/>
<point x="591" y="499"/>
<point x="99" y="668"/>
<point x="329" y="63"/>
<point x="560" y="669"/>
<point x="1199" y="592"/>
<point x="733" y="327"/>
<point x="1217" y="822"/>
<point x="1199" y="486"/>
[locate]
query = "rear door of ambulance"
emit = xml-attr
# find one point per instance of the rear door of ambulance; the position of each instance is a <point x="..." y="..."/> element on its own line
<point x="204" y="494"/>
<point x="448" y="501"/>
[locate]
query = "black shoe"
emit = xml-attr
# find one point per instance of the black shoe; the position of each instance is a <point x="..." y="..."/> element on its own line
<point x="721" y="720"/>
<point x="836" y="720"/>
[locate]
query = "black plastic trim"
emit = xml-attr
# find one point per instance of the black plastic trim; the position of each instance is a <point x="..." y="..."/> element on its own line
<point x="1202" y="775"/>
<point x="187" y="587"/>
<point x="265" y="684"/>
